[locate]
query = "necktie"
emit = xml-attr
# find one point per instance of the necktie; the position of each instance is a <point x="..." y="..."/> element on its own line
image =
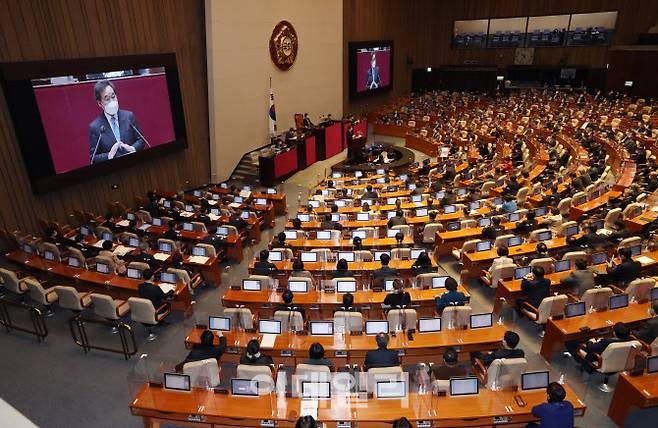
<point x="115" y="128"/>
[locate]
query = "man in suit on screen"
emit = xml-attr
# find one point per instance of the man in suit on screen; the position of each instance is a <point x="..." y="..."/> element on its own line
<point x="114" y="132"/>
<point x="373" y="79"/>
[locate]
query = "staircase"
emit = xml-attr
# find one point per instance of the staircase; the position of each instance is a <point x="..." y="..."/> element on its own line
<point x="247" y="169"/>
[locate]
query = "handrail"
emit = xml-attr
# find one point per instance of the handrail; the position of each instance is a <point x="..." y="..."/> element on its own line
<point x="40" y="330"/>
<point x="126" y="335"/>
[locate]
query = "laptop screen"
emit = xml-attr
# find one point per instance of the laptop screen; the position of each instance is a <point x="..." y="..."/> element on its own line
<point x="156" y="221"/>
<point x="541" y="211"/>
<point x="168" y="277"/>
<point x="223" y="231"/>
<point x="654" y="293"/>
<point x="133" y="242"/>
<point x="391" y="389"/>
<point x="345" y="286"/>
<point x="519" y="273"/>
<point x="388" y="284"/>
<point x="244" y="387"/>
<point x="449" y="209"/>
<point x="271" y="191"/>
<point x="133" y="273"/>
<point x="618" y="301"/>
<point x="290" y="234"/>
<point x="276" y="256"/>
<point x="464" y="386"/>
<point x="415" y="252"/>
<point x="484" y="222"/>
<point x="636" y="250"/>
<point x="514" y="241"/>
<point x="219" y="323"/>
<point x="363" y="216"/>
<point x="652" y="364"/>
<point x="200" y="251"/>
<point x="439" y="281"/>
<point x="454" y="225"/>
<point x="269" y="326"/>
<point x="251" y="284"/>
<point x="309" y="256"/>
<point x="177" y="382"/>
<point x="574" y="309"/>
<point x="390" y="233"/>
<point x="416" y="198"/>
<point x="483" y="246"/>
<point x="316" y="389"/>
<point x="378" y="254"/>
<point x="359" y="234"/>
<point x="304" y="217"/>
<point x="49" y="255"/>
<point x="421" y="212"/>
<point x="429" y="325"/>
<point x="545" y="236"/>
<point x="346" y="255"/>
<point x="481" y="320"/>
<point x="376" y="327"/>
<point x="165" y="247"/>
<point x="562" y="265"/>
<point x="322" y="328"/>
<point x="340" y="203"/>
<point x="188" y="227"/>
<point x="599" y="258"/>
<point x="102" y="268"/>
<point x="298" y="286"/>
<point x="323" y="235"/>
<point x="314" y="203"/>
<point x="74" y="262"/>
<point x="261" y="201"/>
<point x="534" y="380"/>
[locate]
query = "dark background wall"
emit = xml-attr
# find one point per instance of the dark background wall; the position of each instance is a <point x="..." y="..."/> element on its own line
<point x="422" y="32"/>
<point x="33" y="30"/>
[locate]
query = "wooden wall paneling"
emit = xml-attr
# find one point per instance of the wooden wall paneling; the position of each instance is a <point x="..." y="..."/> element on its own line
<point x="58" y="29"/>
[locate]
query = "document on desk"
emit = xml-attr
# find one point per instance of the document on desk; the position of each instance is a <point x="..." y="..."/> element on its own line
<point x="213" y="217"/>
<point x="309" y="408"/>
<point x="655" y="209"/>
<point x="645" y="260"/>
<point x="161" y="256"/>
<point x="211" y="202"/>
<point x="166" y="287"/>
<point x="245" y="193"/>
<point x="121" y="251"/>
<point x="144" y="227"/>
<point x="123" y="223"/>
<point x="186" y="214"/>
<point x="199" y="259"/>
<point x="234" y="205"/>
<point x="99" y="243"/>
<point x="268" y="341"/>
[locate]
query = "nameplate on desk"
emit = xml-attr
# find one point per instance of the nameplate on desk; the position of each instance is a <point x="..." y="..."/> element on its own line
<point x="502" y="419"/>
<point x="365" y="307"/>
<point x="343" y="424"/>
<point x="287" y="353"/>
<point x="402" y="352"/>
<point x="341" y="354"/>
<point x="424" y="424"/>
<point x="232" y="350"/>
<point x="195" y="418"/>
<point x="267" y="423"/>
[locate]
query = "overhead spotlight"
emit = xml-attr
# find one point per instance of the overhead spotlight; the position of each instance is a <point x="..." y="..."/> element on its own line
<point x="429" y="69"/>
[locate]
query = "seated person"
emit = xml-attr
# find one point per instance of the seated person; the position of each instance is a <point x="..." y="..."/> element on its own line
<point x="502" y="259"/>
<point x="621" y="333"/>
<point x="171" y="232"/>
<point x="370" y="193"/>
<point x="525" y="226"/>
<point x="451" y="367"/>
<point x="212" y="239"/>
<point x="402" y="423"/>
<point x="206" y="349"/>
<point x="626" y="271"/>
<point x="237" y="221"/>
<point x="328" y="223"/>
<point x="287" y="297"/>
<point x="381" y="357"/>
<point x="513" y="186"/>
<point x="280" y="241"/>
<point x="152" y="292"/>
<point x="299" y="271"/>
<point x="341" y="270"/>
<point x="509" y="350"/>
<point x="140" y="254"/>
<point x="307" y="421"/>
<point x="348" y="303"/>
<point x="398" y="299"/>
<point x="536" y="287"/>
<point x="120" y="266"/>
<point x="580" y="279"/>
<point x="263" y="266"/>
<point x="450" y="298"/>
<point x="553" y="221"/>
<point x="556" y="413"/>
<point x="541" y="252"/>
<point x="509" y="206"/>
<point x="494" y="230"/>
<point x="384" y="271"/>
<point x="588" y="239"/>
<point x="316" y="356"/>
<point x="397" y="220"/>
<point x="648" y="330"/>
<point x="423" y="264"/>
<point x="297" y="224"/>
<point x="253" y="355"/>
<point x="357" y="243"/>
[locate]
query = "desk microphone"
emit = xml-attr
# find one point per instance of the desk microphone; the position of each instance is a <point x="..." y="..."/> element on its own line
<point x="132" y="125"/>
<point x="102" y="131"/>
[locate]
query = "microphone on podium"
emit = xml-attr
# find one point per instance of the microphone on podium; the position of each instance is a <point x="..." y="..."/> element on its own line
<point x="132" y="125"/>
<point x="102" y="131"/>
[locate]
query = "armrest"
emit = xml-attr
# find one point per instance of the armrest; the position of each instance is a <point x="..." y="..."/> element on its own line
<point x="529" y="307"/>
<point x="124" y="302"/>
<point x="479" y="370"/>
<point x="573" y="297"/>
<point x="160" y="316"/>
<point x="616" y="290"/>
<point x="645" y="346"/>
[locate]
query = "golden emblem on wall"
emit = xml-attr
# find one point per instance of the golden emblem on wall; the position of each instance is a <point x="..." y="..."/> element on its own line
<point x="283" y="45"/>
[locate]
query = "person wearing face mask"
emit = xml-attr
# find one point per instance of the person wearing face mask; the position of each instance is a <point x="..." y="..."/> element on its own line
<point x="373" y="79"/>
<point x="114" y="132"/>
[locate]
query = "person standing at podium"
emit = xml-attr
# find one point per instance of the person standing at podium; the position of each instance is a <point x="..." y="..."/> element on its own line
<point x="373" y="79"/>
<point x="307" y="121"/>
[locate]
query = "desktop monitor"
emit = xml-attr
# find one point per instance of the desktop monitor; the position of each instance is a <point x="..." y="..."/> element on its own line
<point x="654" y="293"/>
<point x="177" y="382"/>
<point x="188" y="227"/>
<point x="574" y="309"/>
<point x="304" y="217"/>
<point x="391" y="201"/>
<point x="599" y="258"/>
<point x="238" y="199"/>
<point x="314" y="203"/>
<point x="269" y="326"/>
<point x="133" y="242"/>
<point x="545" y="236"/>
<point x="271" y="191"/>
<point x="49" y="255"/>
<point x="378" y="254"/>
<point x="335" y="217"/>
<point x="340" y="203"/>
<point x="107" y="236"/>
<point x="481" y="320"/>
<point x="165" y="247"/>
<point x="222" y="231"/>
<point x="411" y="186"/>
<point x="376" y="327"/>
<point x="562" y="265"/>
<point x="391" y="389"/>
<point x="636" y="250"/>
<point x="539" y="212"/>
<point x="388" y="284"/>
<point x="130" y="216"/>
<point x="200" y="251"/>
<point x="421" y="212"/>
<point x="415" y="252"/>
<point x="362" y="216"/>
<point x="322" y="328"/>
<point x="245" y="215"/>
<point x="534" y="380"/>
<point x="298" y="286"/>
<point x="390" y="233"/>
<point x="512" y="217"/>
<point x="618" y="301"/>
<point x="454" y="225"/>
<point x="381" y="180"/>
<point x="290" y="234"/>
<point x="345" y="286"/>
<point x="571" y="230"/>
<point x="652" y="364"/>
<point x="168" y="277"/>
<point x="308" y="256"/>
<point x="416" y="198"/>
<point x="460" y="191"/>
<point x="484" y="222"/>
<point x="449" y="209"/>
<point x="515" y="241"/>
<point x="74" y="262"/>
<point x="429" y="325"/>
<point x="102" y="268"/>
<point x="219" y="323"/>
<point x="520" y="272"/>
<point x="440" y="195"/>
<point x="464" y="386"/>
<point x="276" y="256"/>
<point x="323" y="235"/>
<point x="390" y="214"/>
<point x="359" y="233"/>
<point x="349" y="256"/>
<point x="261" y="201"/>
<point x="189" y="208"/>
<point x="439" y="282"/>
<point x="483" y="246"/>
<point x="474" y="205"/>
<point x="156" y="221"/>
<point x="312" y="389"/>
<point x="133" y="273"/>
<point x="251" y="284"/>
<point x="244" y="387"/>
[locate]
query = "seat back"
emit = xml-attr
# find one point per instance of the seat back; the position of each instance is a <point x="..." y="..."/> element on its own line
<point x="501" y="241"/>
<point x="10" y="281"/>
<point x="564" y="206"/>
<point x="534" y="235"/>
<point x="142" y="311"/>
<point x="545" y="262"/>
<point x="265" y="281"/>
<point x="618" y="357"/>
<point x="348" y="321"/>
<point x="404" y="228"/>
<point x="309" y="283"/>
<point x="632" y="210"/>
<point x="597" y="298"/>
<point x="363" y="256"/>
<point x="638" y="290"/>
<point x="379" y="374"/>
<point x="104" y="306"/>
<point x="501" y="272"/>
<point x="141" y="266"/>
<point x="572" y="256"/>
<point x="405" y="319"/>
<point x="49" y="246"/>
<point x="144" y="216"/>
<point x="456" y="317"/>
<point x="76" y="253"/>
<point x="630" y="241"/>
<point x="240" y="317"/>
<point x="290" y="320"/>
<point x="181" y="275"/>
<point x="36" y="290"/>
<point x="369" y="231"/>
<point x="261" y="374"/>
<point x="171" y="243"/>
<point x="209" y="249"/>
<point x="505" y="372"/>
<point x="112" y="267"/>
<point x="69" y="298"/>
<point x="522" y="195"/>
<point x="400" y="253"/>
<point x="468" y="223"/>
<point x="199" y="226"/>
<point x="203" y="374"/>
<point x="551" y="306"/>
<point x="578" y="198"/>
<point x="487" y="186"/>
<point x="429" y="232"/>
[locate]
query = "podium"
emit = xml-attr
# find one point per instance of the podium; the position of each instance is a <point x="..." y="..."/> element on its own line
<point x="355" y="149"/>
<point x="328" y="140"/>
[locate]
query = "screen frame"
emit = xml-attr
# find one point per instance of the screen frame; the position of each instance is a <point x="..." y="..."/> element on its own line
<point x="524" y="375"/>
<point x="31" y="137"/>
<point x="351" y="57"/>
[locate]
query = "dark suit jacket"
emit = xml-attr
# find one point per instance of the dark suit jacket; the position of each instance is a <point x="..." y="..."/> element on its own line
<point x="203" y="352"/>
<point x="152" y="292"/>
<point x="263" y="360"/>
<point x="501" y="353"/>
<point x="536" y="289"/>
<point x="625" y="272"/>
<point x="599" y="346"/>
<point x="381" y="358"/>
<point x="126" y="132"/>
<point x="264" y="268"/>
<point x="451" y="298"/>
<point x="373" y="77"/>
<point x="395" y="300"/>
<point x="649" y="331"/>
<point x="396" y="221"/>
<point x="385" y="272"/>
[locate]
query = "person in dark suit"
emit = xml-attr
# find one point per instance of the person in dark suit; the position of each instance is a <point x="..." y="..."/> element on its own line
<point x="589" y="239"/>
<point x="513" y="186"/>
<point x="450" y="367"/>
<point x="307" y="121"/>
<point x="329" y="224"/>
<point x="450" y="298"/>
<point x="381" y="357"/>
<point x="597" y="345"/>
<point x="213" y="239"/>
<point x="263" y="266"/>
<point x="253" y="356"/>
<point x="399" y="298"/>
<point x="316" y="356"/>
<point x="556" y="412"/>
<point x="397" y="220"/>
<point x="171" y="232"/>
<point x="537" y="288"/>
<point x="494" y="230"/>
<point x="526" y="226"/>
<point x="348" y="303"/>
<point x="626" y="271"/>
<point x="384" y="271"/>
<point x="369" y="193"/>
<point x="341" y="270"/>
<point x="423" y="264"/>
<point x="206" y="349"/>
<point x="649" y="329"/>
<point x="288" y="306"/>
<point x="581" y="279"/>
<point x="307" y="421"/>
<point x="373" y="79"/>
<point x="509" y="350"/>
<point x="150" y="291"/>
<point x="114" y="132"/>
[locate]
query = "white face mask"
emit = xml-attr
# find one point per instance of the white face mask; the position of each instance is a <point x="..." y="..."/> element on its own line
<point x="112" y="107"/>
